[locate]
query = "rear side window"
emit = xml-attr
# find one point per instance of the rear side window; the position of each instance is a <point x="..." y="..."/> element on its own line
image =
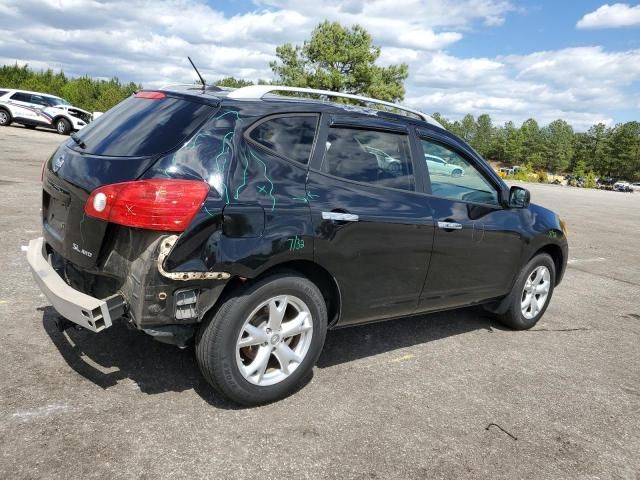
<point x="142" y="127"/>
<point x="378" y="158"/>
<point x="21" y="97"/>
<point x="3" y="92"/>
<point x="289" y="136"/>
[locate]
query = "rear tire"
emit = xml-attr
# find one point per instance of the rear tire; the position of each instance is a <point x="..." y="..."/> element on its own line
<point x="5" y="118"/>
<point x="531" y="293"/>
<point x="63" y="126"/>
<point x="456" y="173"/>
<point x="247" y="361"/>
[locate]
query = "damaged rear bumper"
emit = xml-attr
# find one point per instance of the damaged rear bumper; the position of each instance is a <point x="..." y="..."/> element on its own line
<point x="92" y="313"/>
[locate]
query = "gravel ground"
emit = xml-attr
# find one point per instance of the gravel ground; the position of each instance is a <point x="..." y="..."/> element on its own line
<point x="450" y="395"/>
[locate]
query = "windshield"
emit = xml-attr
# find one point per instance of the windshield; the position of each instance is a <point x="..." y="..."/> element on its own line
<point x="54" y="101"/>
<point x="59" y="101"/>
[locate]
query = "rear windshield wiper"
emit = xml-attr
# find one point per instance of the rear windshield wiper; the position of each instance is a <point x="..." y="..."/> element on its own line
<point x="79" y="142"/>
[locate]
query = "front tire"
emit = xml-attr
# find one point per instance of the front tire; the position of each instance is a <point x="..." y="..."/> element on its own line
<point x="456" y="173"/>
<point x="262" y="343"/>
<point x="63" y="126"/>
<point x="531" y="293"/>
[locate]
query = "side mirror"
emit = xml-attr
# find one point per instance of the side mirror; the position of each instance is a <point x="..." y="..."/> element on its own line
<point x="519" y="197"/>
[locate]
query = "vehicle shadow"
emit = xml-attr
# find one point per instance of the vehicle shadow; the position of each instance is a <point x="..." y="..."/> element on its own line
<point x="120" y="353"/>
<point x="349" y="344"/>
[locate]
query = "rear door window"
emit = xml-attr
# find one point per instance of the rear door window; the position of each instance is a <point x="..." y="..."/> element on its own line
<point x="289" y="136"/>
<point x="378" y="158"/>
<point x="142" y="127"/>
<point x="21" y="97"/>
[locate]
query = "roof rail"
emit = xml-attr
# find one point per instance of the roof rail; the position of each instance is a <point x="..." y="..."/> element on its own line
<point x="259" y="91"/>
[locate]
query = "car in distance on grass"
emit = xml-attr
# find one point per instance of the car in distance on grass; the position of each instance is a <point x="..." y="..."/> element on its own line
<point x="249" y="223"/>
<point x="34" y="109"/>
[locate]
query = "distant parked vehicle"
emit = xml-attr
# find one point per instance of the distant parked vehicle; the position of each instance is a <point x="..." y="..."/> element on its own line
<point x="622" y="187"/>
<point x="438" y="165"/>
<point x="34" y="109"/>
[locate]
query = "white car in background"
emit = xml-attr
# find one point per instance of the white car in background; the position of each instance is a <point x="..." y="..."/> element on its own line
<point x="635" y="186"/>
<point x="34" y="109"/>
<point x="440" y="166"/>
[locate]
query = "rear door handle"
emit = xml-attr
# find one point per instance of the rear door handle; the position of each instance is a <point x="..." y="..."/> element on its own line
<point x="450" y="225"/>
<point x="340" y="217"/>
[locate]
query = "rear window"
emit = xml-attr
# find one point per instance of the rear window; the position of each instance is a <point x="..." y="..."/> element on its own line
<point x="3" y="92"/>
<point x="289" y="136"/>
<point x="139" y="127"/>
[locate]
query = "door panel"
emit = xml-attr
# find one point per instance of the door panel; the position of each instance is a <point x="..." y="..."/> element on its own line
<point x="477" y="244"/>
<point x="380" y="257"/>
<point x="374" y="233"/>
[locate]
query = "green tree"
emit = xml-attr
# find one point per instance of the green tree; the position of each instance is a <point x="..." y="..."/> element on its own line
<point x="558" y="142"/>
<point x="484" y="135"/>
<point x="233" y="82"/>
<point x="531" y="139"/>
<point x="513" y="143"/>
<point x="625" y="150"/>
<point x="341" y="59"/>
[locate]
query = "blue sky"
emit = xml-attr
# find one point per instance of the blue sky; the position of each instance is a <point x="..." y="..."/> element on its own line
<point x="514" y="59"/>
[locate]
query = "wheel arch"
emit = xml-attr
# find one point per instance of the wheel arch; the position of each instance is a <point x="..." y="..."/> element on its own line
<point x="58" y="117"/>
<point x="325" y="282"/>
<point x="556" y="254"/>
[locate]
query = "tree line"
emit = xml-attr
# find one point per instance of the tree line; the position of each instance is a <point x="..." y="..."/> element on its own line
<point x="603" y="151"/>
<point x="84" y="92"/>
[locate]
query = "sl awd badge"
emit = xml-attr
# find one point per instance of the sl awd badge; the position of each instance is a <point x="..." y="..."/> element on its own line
<point x="57" y="163"/>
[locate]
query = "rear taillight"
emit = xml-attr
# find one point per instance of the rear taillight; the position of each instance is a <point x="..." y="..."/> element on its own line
<point x="150" y="204"/>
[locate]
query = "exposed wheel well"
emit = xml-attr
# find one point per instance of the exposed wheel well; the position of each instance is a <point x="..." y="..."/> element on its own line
<point x="314" y="272"/>
<point x="555" y="252"/>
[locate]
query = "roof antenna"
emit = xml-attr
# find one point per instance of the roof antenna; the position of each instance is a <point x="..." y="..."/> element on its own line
<point x="196" y="69"/>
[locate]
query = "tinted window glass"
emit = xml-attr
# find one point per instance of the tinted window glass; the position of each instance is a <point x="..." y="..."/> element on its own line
<point x="291" y="136"/>
<point x="2" y="92"/>
<point x="141" y="126"/>
<point x="21" y="97"/>
<point x="39" y="100"/>
<point x="379" y="158"/>
<point x="453" y="177"/>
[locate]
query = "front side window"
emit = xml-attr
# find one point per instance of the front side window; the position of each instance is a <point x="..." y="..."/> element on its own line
<point x="454" y="177"/>
<point x="288" y="136"/>
<point x="378" y="158"/>
<point x="39" y="100"/>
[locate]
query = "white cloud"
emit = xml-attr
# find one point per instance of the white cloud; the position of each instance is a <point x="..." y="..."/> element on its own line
<point x="611" y="16"/>
<point x="147" y="41"/>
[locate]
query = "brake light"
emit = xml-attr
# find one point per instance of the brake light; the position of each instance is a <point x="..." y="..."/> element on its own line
<point x="158" y="204"/>
<point x="150" y="95"/>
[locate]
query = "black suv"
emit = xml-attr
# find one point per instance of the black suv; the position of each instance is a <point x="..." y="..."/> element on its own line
<point x="251" y="222"/>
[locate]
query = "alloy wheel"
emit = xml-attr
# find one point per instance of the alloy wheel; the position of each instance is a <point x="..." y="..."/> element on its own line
<point x="274" y="340"/>
<point x="535" y="292"/>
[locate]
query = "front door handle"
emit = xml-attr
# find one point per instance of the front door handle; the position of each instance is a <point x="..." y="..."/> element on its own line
<point x="450" y="225"/>
<point x="340" y="216"/>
